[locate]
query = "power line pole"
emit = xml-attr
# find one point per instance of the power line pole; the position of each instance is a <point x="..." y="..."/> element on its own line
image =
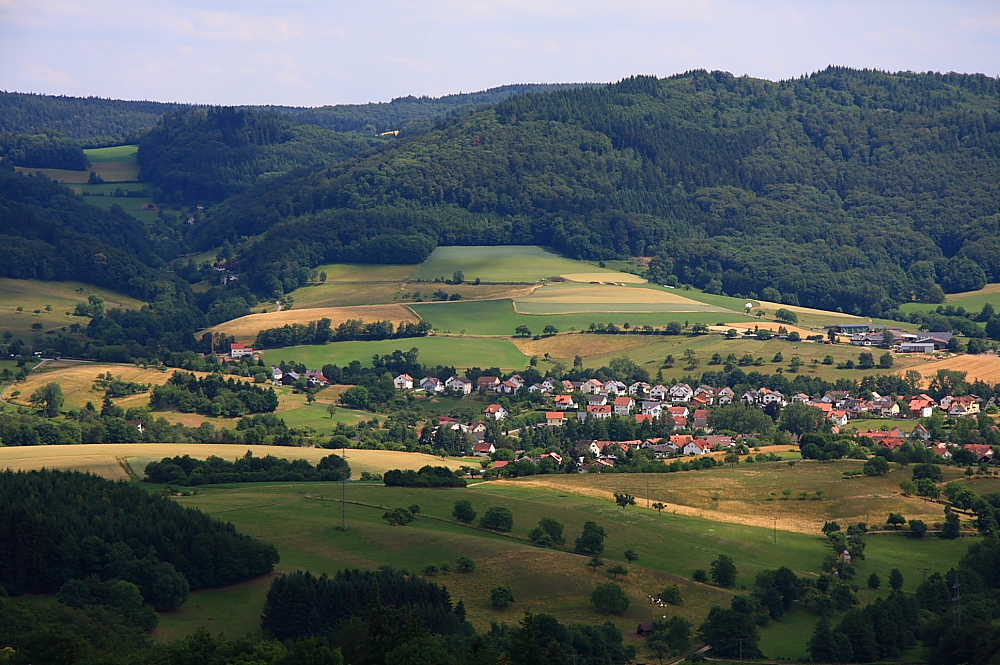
<point x="775" y="530"/>
<point x="924" y="571"/>
<point x="958" y="602"/>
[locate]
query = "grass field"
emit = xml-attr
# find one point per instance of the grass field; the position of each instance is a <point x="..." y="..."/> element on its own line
<point x="300" y="518"/>
<point x="587" y="277"/>
<point x="33" y="294"/>
<point x="752" y="494"/>
<point x="131" y="205"/>
<point x="341" y="294"/>
<point x="110" y="459"/>
<point x="365" y="272"/>
<point x="504" y="263"/>
<point x="437" y="350"/>
<point x="246" y="328"/>
<point x="121" y="153"/>
<point x="972" y="301"/>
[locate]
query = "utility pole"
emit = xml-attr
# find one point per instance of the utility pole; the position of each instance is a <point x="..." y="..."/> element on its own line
<point x="924" y="571"/>
<point x="958" y="602"/>
<point x="775" y="530"/>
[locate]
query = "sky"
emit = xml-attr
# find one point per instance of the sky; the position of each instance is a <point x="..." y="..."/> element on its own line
<point x="316" y="52"/>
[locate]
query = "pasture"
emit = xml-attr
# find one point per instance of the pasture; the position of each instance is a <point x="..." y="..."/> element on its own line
<point x="117" y="164"/>
<point x="504" y="263"/>
<point x="437" y="350"/>
<point x="120" y="153"/>
<point x="246" y="328"/>
<point x="31" y="295"/>
<point x="972" y="301"/>
<point x="365" y="272"/>
<point x="300" y="520"/>
<point x="752" y="494"/>
<point x="571" y="298"/>
<point x="117" y="460"/>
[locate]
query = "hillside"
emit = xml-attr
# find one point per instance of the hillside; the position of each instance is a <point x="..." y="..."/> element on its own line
<point x="840" y="189"/>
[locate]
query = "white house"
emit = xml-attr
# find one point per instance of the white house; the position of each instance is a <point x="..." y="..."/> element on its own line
<point x="403" y="382"/>
<point x="240" y="351"/>
<point x="658" y="392"/>
<point x="624" y="405"/>
<point x="652" y="409"/>
<point x="639" y="389"/>
<point x="432" y="384"/>
<point x="615" y="388"/>
<point x="591" y="387"/>
<point x="726" y="396"/>
<point x="680" y="392"/>
<point x="483" y="449"/>
<point x="698" y="447"/>
<point x="459" y="384"/>
<point x="496" y="411"/>
<point x="600" y="411"/>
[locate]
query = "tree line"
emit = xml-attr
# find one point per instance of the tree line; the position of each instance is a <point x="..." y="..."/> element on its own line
<point x="321" y="332"/>
<point x="190" y="472"/>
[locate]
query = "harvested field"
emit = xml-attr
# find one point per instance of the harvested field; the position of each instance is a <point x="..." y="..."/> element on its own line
<point x="247" y="327"/>
<point x="764" y="304"/>
<point x="110" y="459"/>
<point x="984" y="368"/>
<point x="77" y="380"/>
<point x="566" y="298"/>
<point x="627" y="278"/>
<point x="569" y="345"/>
<point x="340" y="294"/>
<point x="363" y="272"/>
<point x="748" y="325"/>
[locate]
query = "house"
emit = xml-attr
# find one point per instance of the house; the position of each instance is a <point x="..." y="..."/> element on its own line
<point x="940" y="340"/>
<point x="771" y="397"/>
<point x="916" y="347"/>
<point x="483" y="449"/>
<point x="677" y="411"/>
<point x="680" y="392"/>
<point x="240" y="351"/>
<point x="658" y="393"/>
<point x="725" y="396"/>
<point x="641" y="418"/>
<point x="403" y="382"/>
<point x="885" y="407"/>
<point x="555" y="418"/>
<point x="459" y="384"/>
<point x="801" y="398"/>
<point x="549" y="384"/>
<point x="701" y="418"/>
<point x="487" y="383"/>
<point x="432" y="384"/>
<point x="136" y="424"/>
<point x="645" y="629"/>
<point x="962" y="406"/>
<point x="623" y="405"/>
<point x="556" y="457"/>
<point x="289" y="378"/>
<point x="838" y="418"/>
<point x="496" y="411"/>
<point x="921" y="406"/>
<point x="680" y="423"/>
<point x="597" y="400"/>
<point x="615" y="388"/>
<point x="719" y="441"/>
<point x="508" y="387"/>
<point x="565" y="401"/>
<point x="639" y="389"/>
<point x="499" y="464"/>
<point x="600" y="411"/>
<point x="148" y="206"/>
<point x="587" y="447"/>
<point x="315" y="377"/>
<point x="591" y="387"/>
<point x="922" y="433"/>
<point x="276" y="375"/>
<point x="867" y="339"/>
<point x="652" y="409"/>
<point x="699" y="447"/>
<point x="982" y="451"/>
<point x="517" y="380"/>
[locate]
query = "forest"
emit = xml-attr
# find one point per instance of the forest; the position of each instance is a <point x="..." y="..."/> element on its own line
<point x="849" y="189"/>
<point x="190" y="472"/>
<point x="58" y="526"/>
<point x="213" y="395"/>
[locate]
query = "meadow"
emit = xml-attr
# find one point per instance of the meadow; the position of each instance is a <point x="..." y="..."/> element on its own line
<point x="63" y="297"/>
<point x="504" y="263"/>
<point x="571" y="297"/>
<point x="117" y="164"/>
<point x="300" y="520"/>
<point x="972" y="301"/>
<point x="436" y="350"/>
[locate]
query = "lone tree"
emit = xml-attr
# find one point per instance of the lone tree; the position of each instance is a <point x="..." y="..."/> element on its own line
<point x="624" y="500"/>
<point x="522" y="331"/>
<point x="464" y="512"/>
<point x="609" y="598"/>
<point x="595" y="562"/>
<point x="591" y="541"/>
<point x="724" y="572"/>
<point x="874" y="581"/>
<point x="895" y="579"/>
<point x="497" y="518"/>
<point x="786" y="315"/>
<point x="549" y="532"/>
<point x="466" y="564"/>
<point x="617" y="570"/>
<point x="631" y="555"/>
<point x="502" y="596"/>
<point x="49" y="398"/>
<point x="457" y="277"/>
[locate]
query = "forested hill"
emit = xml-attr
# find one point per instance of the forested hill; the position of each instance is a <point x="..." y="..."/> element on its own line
<point x="843" y="189"/>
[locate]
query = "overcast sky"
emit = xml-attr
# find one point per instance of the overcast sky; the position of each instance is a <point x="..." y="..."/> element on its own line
<point x="315" y="52"/>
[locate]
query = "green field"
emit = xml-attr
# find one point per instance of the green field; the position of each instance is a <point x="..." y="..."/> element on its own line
<point x="365" y="272"/>
<point x="121" y="153"/>
<point x="300" y="520"/>
<point x="33" y="294"/>
<point x="503" y="263"/>
<point x="972" y="301"/>
<point x="433" y="351"/>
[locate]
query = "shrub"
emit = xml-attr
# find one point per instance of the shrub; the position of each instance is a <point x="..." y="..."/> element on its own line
<point x="464" y="512"/>
<point x="918" y="529"/>
<point x="502" y="596"/>
<point x="672" y="595"/>
<point x="466" y="564"/>
<point x="700" y="575"/>
<point x="497" y="518"/>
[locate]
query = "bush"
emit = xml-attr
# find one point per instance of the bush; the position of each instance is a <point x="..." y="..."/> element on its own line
<point x="700" y="576"/>
<point x="929" y="471"/>
<point x="398" y="516"/>
<point x="876" y="466"/>
<point x="502" y="596"/>
<point x="672" y="595"/>
<point x="609" y="598"/>
<point x="497" y="518"/>
<point x="466" y="564"/>
<point x="464" y="512"/>
<point x="918" y="528"/>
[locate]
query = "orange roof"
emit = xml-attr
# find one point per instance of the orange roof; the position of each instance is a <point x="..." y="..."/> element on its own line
<point x="554" y="415"/>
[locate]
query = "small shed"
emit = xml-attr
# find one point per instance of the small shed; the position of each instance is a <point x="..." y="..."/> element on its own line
<point x="645" y="629"/>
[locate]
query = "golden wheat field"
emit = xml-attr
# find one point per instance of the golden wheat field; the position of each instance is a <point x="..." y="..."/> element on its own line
<point x="624" y="277"/>
<point x="606" y="294"/>
<point x="77" y="381"/>
<point x="246" y="328"/>
<point x="573" y="344"/>
<point x="116" y="460"/>
<point x="744" y="326"/>
<point x="984" y="368"/>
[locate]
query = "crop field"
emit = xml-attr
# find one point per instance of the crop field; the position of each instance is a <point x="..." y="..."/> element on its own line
<point x="300" y="519"/>
<point x="587" y="277"/>
<point x="366" y="272"/>
<point x="31" y="294"/>
<point x="504" y="263"/>
<point x="436" y="350"/>
<point x="246" y="328"/>
<point x="751" y="494"/>
<point x="77" y="380"/>
<point x="112" y="164"/>
<point x="114" y="460"/>
<point x="339" y="294"/>
<point x="984" y="368"/>
<point x="568" y="298"/>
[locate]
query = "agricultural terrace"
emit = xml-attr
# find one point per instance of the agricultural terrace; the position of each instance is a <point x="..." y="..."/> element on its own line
<point x="458" y="351"/>
<point x="503" y="263"/>
<point x="300" y="520"/>
<point x="753" y="494"/>
<point x="122" y="461"/>
<point x="246" y="327"/>
<point x="61" y="297"/>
